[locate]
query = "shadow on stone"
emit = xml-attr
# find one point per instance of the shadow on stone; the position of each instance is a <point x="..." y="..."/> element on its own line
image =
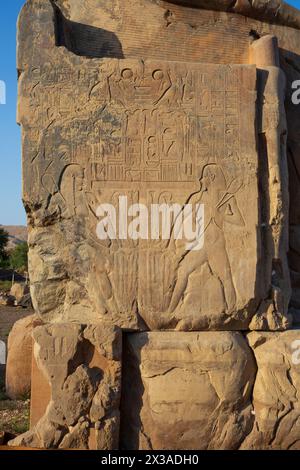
<point x="85" y="40"/>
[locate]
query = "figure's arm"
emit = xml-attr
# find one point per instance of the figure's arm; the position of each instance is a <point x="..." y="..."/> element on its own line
<point x="232" y="213"/>
<point x="184" y="213"/>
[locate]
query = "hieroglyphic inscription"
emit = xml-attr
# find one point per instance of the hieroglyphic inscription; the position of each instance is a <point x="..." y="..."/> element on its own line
<point x="173" y="119"/>
<point x="147" y="130"/>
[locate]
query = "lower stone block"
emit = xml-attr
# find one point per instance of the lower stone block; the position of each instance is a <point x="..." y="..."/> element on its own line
<point x="18" y="367"/>
<point x="276" y="394"/>
<point x="186" y="391"/>
<point x="82" y="367"/>
<point x="180" y="390"/>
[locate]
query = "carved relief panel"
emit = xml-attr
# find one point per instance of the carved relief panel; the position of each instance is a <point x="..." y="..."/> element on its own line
<point x="157" y="133"/>
<point x="116" y="132"/>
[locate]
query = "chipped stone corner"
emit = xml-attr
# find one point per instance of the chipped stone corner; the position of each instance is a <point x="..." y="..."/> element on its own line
<point x="81" y="367"/>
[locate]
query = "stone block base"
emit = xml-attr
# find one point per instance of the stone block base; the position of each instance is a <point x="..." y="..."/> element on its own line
<point x="179" y="390"/>
<point x="186" y="391"/>
<point x="276" y="393"/>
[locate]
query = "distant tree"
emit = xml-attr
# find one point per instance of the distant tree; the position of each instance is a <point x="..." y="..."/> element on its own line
<point x="3" y="245"/>
<point x="18" y="258"/>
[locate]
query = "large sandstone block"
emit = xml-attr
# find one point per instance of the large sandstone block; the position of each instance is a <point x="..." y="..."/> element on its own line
<point x="186" y="390"/>
<point x="265" y="10"/>
<point x="140" y="99"/>
<point x="158" y="126"/>
<point x="276" y="391"/>
<point x="81" y="365"/>
<point x="117" y="28"/>
<point x="19" y="290"/>
<point x="19" y="357"/>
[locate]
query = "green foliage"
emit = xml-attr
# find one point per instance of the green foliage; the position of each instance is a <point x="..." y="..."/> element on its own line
<point x="20" y="423"/>
<point x="3" y="245"/>
<point x="18" y="258"/>
<point x="14" y="414"/>
<point x="5" y="286"/>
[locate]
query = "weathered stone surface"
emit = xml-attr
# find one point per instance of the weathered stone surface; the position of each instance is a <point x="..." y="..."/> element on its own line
<point x="82" y="373"/>
<point x="107" y="432"/>
<point x="18" y="291"/>
<point x="186" y="390"/>
<point x="78" y="438"/>
<point x="40" y="394"/>
<point x="19" y="356"/>
<point x="74" y="399"/>
<point x="44" y="436"/>
<point x="272" y="137"/>
<point x="276" y="391"/>
<point x="119" y="29"/>
<point x="276" y="11"/>
<point x="7" y="300"/>
<point x="25" y="302"/>
<point x="162" y="116"/>
<point x="196" y="145"/>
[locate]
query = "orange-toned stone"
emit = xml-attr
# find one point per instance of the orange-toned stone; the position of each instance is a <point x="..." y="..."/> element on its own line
<point x="40" y="394"/>
<point x="19" y="354"/>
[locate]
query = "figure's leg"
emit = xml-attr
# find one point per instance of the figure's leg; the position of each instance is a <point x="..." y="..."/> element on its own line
<point x="220" y="266"/>
<point x="107" y="292"/>
<point x="102" y="289"/>
<point x="189" y="264"/>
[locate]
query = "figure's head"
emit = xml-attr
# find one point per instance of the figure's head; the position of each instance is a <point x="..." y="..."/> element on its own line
<point x="212" y="175"/>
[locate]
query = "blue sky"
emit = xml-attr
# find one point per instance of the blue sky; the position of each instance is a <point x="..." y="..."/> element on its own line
<point x="11" y="209"/>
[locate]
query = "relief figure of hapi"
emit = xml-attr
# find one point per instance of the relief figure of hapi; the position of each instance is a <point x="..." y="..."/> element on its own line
<point x="220" y="206"/>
